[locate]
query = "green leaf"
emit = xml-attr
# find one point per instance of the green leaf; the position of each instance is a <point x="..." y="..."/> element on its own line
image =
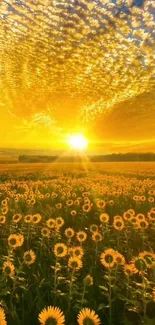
<point x="103" y="288"/>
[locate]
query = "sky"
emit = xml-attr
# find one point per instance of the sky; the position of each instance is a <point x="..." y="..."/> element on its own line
<point x="77" y="66"/>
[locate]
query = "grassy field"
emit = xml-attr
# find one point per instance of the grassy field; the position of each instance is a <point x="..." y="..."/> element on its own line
<point x="77" y="244"/>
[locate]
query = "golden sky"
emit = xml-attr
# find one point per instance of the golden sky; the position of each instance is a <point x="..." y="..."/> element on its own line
<point x="77" y="66"/>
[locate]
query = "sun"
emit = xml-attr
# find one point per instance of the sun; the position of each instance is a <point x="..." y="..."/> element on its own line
<point x="78" y="141"/>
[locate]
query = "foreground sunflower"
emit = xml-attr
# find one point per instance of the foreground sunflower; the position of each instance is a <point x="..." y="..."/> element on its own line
<point x="69" y="232"/>
<point x="8" y="270"/>
<point x="81" y="236"/>
<point x="88" y="280"/>
<point x="13" y="241"/>
<point x="104" y="217"/>
<point x="36" y="218"/>
<point x="97" y="237"/>
<point x="77" y="251"/>
<point x="45" y="232"/>
<point x="2" y="219"/>
<point x="50" y="223"/>
<point x="2" y="317"/>
<point x="51" y="316"/>
<point x="108" y="258"/>
<point x="75" y="263"/>
<point x="28" y="218"/>
<point x="88" y="317"/>
<point x="17" y="218"/>
<point x="60" y="250"/>
<point x="29" y="257"/>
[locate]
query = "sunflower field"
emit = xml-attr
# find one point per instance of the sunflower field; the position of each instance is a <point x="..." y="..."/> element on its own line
<point x="77" y="245"/>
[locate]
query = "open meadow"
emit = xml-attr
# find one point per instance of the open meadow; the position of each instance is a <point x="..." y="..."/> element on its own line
<point x="77" y="244"/>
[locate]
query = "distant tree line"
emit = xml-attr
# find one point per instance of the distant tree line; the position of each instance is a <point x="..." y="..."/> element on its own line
<point x="95" y="158"/>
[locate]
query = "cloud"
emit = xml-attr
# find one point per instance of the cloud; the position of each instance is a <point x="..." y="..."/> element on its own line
<point x="77" y="64"/>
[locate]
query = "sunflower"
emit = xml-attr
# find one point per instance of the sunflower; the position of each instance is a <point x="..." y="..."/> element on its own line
<point x="93" y="228"/>
<point x="73" y="213"/>
<point x="2" y="219"/>
<point x="151" y="215"/>
<point x="4" y="203"/>
<point x="88" y="317"/>
<point x="77" y="251"/>
<point x="88" y="281"/>
<point x="8" y="269"/>
<point x="74" y="263"/>
<point x="111" y="202"/>
<point x="59" y="222"/>
<point x="21" y="240"/>
<point x="36" y="218"/>
<point x="140" y="216"/>
<point x="100" y="204"/>
<point x="17" y="218"/>
<point x="32" y="201"/>
<point x="142" y="224"/>
<point x="151" y="199"/>
<point x="118" y="224"/>
<point x="2" y="317"/>
<point x="134" y="222"/>
<point x="5" y="210"/>
<point x="51" y="315"/>
<point x="45" y="232"/>
<point x="120" y="259"/>
<point x="148" y="257"/>
<point x="69" y="203"/>
<point x="69" y="232"/>
<point x="81" y="236"/>
<point x="127" y="215"/>
<point x="108" y="258"/>
<point x="28" y="218"/>
<point x="14" y="241"/>
<point x="50" y="223"/>
<point x="97" y="237"/>
<point x="104" y="217"/>
<point x="60" y="250"/>
<point x="58" y="206"/>
<point x="143" y="198"/>
<point x="130" y="269"/>
<point x="86" y="207"/>
<point x="131" y="211"/>
<point x="29" y="257"/>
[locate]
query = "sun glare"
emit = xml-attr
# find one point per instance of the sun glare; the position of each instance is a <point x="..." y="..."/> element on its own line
<point x="78" y="141"/>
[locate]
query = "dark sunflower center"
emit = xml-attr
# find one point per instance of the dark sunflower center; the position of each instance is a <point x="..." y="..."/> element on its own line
<point x="51" y="321"/>
<point x="60" y="250"/>
<point x="134" y="220"/>
<point x="97" y="237"/>
<point x="69" y="233"/>
<point x="143" y="224"/>
<point x="74" y="264"/>
<point x="28" y="258"/>
<point x="7" y="270"/>
<point x="118" y="224"/>
<point x="16" y="217"/>
<point x="77" y="252"/>
<point x="88" y="321"/>
<point x="13" y="241"/>
<point x="35" y="219"/>
<point x="109" y="258"/>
